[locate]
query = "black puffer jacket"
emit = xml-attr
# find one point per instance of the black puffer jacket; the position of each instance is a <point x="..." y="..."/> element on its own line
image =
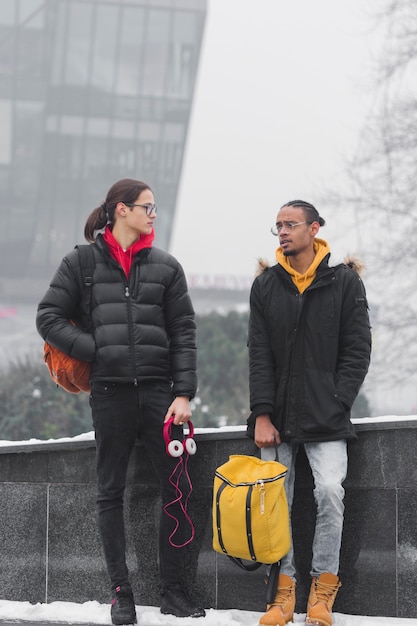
<point x="142" y="329"/>
<point x="308" y="353"/>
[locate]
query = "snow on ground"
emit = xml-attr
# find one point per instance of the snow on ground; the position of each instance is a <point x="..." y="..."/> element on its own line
<point x="93" y="612"/>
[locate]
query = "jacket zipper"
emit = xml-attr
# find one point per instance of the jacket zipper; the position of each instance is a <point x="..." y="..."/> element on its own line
<point x="300" y="301"/>
<point x="130" y="324"/>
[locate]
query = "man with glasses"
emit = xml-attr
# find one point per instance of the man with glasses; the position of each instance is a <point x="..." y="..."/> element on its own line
<point x="309" y="352"/>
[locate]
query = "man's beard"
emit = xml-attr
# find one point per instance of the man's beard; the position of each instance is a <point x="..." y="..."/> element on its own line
<point x="289" y="252"/>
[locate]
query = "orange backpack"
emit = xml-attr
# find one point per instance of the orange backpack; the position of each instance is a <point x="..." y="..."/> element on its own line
<point x="66" y="371"/>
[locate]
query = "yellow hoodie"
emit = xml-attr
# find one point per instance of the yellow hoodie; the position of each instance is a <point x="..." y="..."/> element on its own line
<point x="302" y="281"/>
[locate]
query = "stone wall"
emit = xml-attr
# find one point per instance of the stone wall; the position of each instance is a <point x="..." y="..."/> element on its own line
<point x="50" y="548"/>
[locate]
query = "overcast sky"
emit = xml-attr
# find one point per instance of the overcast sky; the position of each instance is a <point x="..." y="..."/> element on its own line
<point x="282" y="93"/>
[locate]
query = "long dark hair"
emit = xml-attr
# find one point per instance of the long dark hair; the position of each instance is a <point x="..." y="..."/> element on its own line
<point x="126" y="190"/>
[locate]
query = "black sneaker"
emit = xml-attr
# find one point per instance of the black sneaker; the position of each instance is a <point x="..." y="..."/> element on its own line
<point x="123" y="609"/>
<point x="175" y="602"/>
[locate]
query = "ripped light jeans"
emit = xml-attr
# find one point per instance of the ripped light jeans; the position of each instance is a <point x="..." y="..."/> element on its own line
<point x="328" y="461"/>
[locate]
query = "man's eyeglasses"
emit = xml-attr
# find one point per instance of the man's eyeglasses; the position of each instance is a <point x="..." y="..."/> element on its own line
<point x="149" y="208"/>
<point x="275" y="230"/>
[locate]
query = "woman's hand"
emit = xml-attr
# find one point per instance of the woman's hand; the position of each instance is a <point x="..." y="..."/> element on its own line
<point x="180" y="410"/>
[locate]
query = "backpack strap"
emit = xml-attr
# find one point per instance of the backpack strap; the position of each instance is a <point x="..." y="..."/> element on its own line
<point x="87" y="264"/>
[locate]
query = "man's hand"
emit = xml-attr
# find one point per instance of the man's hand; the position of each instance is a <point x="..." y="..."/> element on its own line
<point x="180" y="410"/>
<point x="266" y="435"/>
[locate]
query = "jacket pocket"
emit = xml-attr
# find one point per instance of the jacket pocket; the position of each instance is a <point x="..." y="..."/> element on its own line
<point x="324" y="410"/>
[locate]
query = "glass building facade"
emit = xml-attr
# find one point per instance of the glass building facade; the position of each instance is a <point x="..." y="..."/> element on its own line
<point x="91" y="91"/>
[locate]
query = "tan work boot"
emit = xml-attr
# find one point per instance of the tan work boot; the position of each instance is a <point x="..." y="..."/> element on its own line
<point x="281" y="610"/>
<point x="320" y="601"/>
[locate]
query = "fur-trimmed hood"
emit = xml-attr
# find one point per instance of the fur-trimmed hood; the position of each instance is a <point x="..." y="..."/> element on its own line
<point x="355" y="263"/>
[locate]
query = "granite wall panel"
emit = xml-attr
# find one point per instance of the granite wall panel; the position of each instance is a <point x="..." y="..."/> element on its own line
<point x="406" y="557"/>
<point x="23" y="548"/>
<point x="51" y="551"/>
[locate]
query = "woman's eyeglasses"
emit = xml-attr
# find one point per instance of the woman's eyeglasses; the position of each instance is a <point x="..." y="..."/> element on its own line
<point x="149" y="208"/>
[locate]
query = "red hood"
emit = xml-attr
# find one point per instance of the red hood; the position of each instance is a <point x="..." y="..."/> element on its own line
<point x="125" y="257"/>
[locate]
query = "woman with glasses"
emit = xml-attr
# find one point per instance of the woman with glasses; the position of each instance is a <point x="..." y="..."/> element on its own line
<point x="142" y="351"/>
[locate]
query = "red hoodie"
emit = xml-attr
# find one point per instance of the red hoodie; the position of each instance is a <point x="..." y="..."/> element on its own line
<point x="125" y="257"/>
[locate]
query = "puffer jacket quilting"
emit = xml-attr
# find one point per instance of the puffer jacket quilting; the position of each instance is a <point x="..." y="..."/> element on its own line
<point x="143" y="328"/>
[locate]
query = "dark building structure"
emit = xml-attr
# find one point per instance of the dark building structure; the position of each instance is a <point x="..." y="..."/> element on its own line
<point x="91" y="91"/>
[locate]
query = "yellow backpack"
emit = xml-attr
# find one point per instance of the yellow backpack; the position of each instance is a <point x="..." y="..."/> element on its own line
<point x="250" y="511"/>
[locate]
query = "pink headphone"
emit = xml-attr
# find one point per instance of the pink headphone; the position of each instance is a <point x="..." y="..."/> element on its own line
<point x="175" y="447"/>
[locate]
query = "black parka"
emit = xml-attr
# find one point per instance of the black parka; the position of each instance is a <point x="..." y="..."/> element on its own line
<point x="142" y="328"/>
<point x="308" y="352"/>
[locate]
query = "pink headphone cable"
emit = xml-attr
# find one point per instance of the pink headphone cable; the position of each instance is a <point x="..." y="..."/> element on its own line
<point x="180" y="468"/>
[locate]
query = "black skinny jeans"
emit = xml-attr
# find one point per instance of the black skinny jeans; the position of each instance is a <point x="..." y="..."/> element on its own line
<point x="122" y="414"/>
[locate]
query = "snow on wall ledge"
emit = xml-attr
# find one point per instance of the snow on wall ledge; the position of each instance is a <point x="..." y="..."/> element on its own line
<point x="224" y="432"/>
